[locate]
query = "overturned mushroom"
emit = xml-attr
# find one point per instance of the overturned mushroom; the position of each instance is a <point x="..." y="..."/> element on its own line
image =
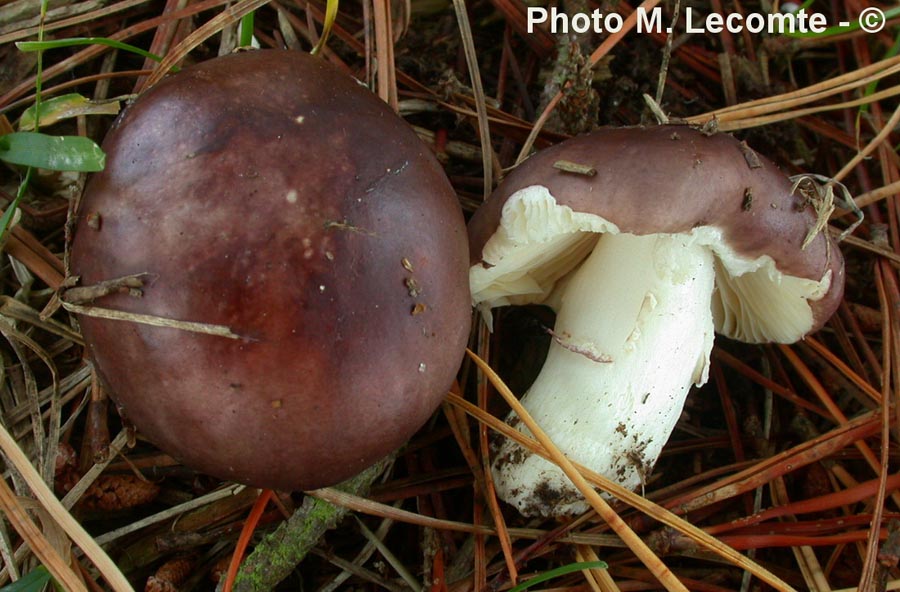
<point x="645" y="243"/>
<point x="268" y="194"/>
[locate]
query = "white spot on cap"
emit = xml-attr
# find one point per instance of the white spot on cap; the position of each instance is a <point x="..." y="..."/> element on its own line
<point x="300" y="118"/>
<point x="291" y="196"/>
<point x="422" y="367"/>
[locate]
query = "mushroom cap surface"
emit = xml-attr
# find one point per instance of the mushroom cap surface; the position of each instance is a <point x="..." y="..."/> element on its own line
<point x="269" y="193"/>
<point x="672" y="180"/>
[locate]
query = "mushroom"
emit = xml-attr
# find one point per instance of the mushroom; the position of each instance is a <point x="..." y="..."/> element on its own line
<point x="644" y="242"/>
<point x="270" y="195"/>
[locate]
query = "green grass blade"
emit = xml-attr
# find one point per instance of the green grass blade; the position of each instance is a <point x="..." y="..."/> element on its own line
<point x="57" y="153"/>
<point x="34" y="581"/>
<point x="73" y="41"/>
<point x="331" y="10"/>
<point x="559" y="571"/>
<point x="39" y="78"/>
<point x="6" y="219"/>
<point x="247" y="29"/>
<point x="65" y="107"/>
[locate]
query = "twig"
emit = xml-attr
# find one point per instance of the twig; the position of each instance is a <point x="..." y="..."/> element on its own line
<point x="130" y="284"/>
<point x="667" y="55"/>
<point x="277" y="555"/>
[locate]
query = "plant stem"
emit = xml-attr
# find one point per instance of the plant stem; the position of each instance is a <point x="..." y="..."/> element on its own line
<point x="279" y="553"/>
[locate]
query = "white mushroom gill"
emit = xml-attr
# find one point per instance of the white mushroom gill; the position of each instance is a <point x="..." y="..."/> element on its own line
<point x="633" y="333"/>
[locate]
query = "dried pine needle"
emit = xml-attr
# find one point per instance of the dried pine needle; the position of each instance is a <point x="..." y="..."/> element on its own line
<point x="153" y="321"/>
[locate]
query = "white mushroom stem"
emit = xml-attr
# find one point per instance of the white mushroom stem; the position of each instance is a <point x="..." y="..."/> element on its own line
<point x="634" y="331"/>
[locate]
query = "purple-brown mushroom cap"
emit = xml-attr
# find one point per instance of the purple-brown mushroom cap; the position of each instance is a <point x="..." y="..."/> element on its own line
<point x="269" y="193"/>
